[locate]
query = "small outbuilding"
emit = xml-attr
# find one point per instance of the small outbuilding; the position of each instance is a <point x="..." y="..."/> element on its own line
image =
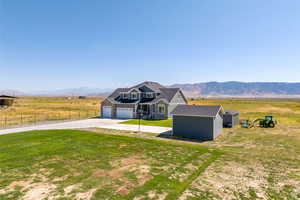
<point x="6" y="101"/>
<point x="198" y="122"/>
<point x="231" y="118"/>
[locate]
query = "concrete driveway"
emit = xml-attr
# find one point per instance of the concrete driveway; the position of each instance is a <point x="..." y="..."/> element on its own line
<point x="88" y="123"/>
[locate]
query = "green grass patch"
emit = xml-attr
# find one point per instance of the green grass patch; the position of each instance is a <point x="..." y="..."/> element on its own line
<point x="116" y="167"/>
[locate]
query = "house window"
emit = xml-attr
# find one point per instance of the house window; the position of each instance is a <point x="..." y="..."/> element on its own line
<point x="161" y="108"/>
<point x="134" y="95"/>
<point x="125" y="95"/>
<point x="149" y="95"/>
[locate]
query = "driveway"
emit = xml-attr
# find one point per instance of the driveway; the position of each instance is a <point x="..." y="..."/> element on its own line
<point x="88" y="123"/>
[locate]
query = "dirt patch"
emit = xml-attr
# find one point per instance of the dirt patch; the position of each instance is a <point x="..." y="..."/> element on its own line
<point x="224" y="179"/>
<point x="70" y="188"/>
<point x="122" y="166"/>
<point x="39" y="191"/>
<point x="127" y="161"/>
<point x="85" y="195"/>
<point x="154" y="195"/>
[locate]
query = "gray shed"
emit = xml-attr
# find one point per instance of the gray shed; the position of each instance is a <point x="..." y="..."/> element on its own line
<point x="231" y="118"/>
<point x="197" y="122"/>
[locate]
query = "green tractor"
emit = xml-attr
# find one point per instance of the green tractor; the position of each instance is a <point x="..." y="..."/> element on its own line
<point x="267" y="122"/>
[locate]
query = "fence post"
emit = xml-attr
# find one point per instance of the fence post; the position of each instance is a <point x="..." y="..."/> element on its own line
<point x="5" y="121"/>
<point x="21" y="118"/>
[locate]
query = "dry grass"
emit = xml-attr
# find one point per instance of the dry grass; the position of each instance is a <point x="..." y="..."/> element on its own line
<point x="34" y="109"/>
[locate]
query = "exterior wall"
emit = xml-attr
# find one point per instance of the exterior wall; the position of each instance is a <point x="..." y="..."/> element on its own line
<point x="106" y="103"/>
<point x="114" y="108"/>
<point x="6" y="102"/>
<point x="177" y="99"/>
<point x="234" y="119"/>
<point x="201" y="128"/>
<point x="218" y="125"/>
<point x="157" y="115"/>
<point x="124" y="106"/>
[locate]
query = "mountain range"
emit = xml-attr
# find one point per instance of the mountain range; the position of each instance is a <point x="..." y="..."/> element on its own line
<point x="240" y="89"/>
<point x="207" y="89"/>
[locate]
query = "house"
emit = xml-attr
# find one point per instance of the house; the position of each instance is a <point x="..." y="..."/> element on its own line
<point x="198" y="122"/>
<point x="231" y="118"/>
<point x="151" y="99"/>
<point x="6" y="101"/>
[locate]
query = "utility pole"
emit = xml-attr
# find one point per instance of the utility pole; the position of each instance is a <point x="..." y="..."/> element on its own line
<point x="140" y="114"/>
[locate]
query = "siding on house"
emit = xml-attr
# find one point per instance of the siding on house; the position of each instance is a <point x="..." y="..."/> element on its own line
<point x="158" y="115"/>
<point x="177" y="100"/>
<point x="106" y="103"/>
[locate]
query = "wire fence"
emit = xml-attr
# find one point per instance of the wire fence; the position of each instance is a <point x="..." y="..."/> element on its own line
<point x="7" y="121"/>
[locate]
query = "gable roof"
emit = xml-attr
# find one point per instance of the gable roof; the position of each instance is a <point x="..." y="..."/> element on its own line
<point x="231" y="112"/>
<point x="154" y="86"/>
<point x="6" y="97"/>
<point x="169" y="93"/>
<point x="163" y="93"/>
<point x="192" y="110"/>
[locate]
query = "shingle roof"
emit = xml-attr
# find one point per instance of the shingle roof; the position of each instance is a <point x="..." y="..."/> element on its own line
<point x="7" y="97"/>
<point x="169" y="92"/>
<point x="162" y="91"/>
<point x="231" y="112"/>
<point x="152" y="85"/>
<point x="191" y="110"/>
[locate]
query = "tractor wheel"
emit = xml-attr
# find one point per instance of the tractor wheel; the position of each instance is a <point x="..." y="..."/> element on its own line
<point x="271" y="125"/>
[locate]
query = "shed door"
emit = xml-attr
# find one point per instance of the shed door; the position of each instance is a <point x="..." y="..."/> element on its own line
<point x="106" y="112"/>
<point x="124" y="113"/>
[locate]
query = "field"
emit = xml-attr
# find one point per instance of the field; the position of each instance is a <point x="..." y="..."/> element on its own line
<point x="107" y="164"/>
<point x="35" y="109"/>
<point x="286" y="111"/>
<point x="80" y="164"/>
<point x="257" y="163"/>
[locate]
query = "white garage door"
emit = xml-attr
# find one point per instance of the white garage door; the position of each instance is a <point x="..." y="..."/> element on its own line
<point x="124" y="113"/>
<point x="106" y="112"/>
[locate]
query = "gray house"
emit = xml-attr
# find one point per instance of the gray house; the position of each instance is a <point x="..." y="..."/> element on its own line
<point x="198" y="122"/>
<point x="155" y="101"/>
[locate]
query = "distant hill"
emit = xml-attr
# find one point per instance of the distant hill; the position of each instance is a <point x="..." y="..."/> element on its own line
<point x="240" y="89"/>
<point x="209" y="89"/>
<point x="12" y="92"/>
<point x="83" y="91"/>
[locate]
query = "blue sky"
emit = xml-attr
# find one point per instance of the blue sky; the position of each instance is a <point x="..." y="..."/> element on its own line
<point x="72" y="43"/>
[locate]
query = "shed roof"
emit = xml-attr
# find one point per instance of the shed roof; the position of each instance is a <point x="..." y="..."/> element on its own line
<point x="231" y="112"/>
<point x="192" y="110"/>
<point x="6" y="97"/>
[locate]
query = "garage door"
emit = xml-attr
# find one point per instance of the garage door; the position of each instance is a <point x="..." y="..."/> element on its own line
<point x="124" y="113"/>
<point x="106" y="112"/>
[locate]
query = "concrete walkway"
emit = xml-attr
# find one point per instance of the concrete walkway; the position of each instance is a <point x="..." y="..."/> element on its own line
<point x="88" y="123"/>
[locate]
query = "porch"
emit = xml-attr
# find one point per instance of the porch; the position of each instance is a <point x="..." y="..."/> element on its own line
<point x="149" y="111"/>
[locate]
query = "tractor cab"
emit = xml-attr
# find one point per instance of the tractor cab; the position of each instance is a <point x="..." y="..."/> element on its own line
<point x="269" y="118"/>
<point x="268" y="122"/>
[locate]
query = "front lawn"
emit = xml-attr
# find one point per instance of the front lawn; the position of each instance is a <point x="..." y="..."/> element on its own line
<point x="73" y="164"/>
<point x="163" y="123"/>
